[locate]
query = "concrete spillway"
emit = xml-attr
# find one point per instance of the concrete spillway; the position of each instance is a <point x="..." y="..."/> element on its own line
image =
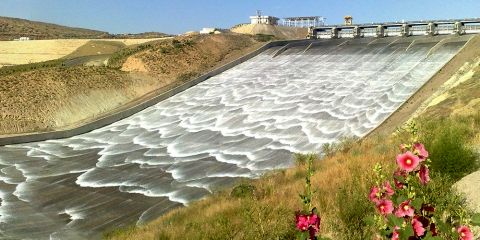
<point x="241" y="123"/>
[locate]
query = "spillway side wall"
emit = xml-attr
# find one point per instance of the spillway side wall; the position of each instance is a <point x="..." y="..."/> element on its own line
<point x="118" y="115"/>
<point x="467" y="53"/>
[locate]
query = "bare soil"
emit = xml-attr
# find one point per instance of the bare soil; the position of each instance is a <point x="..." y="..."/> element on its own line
<point x="187" y="57"/>
<point x="281" y="32"/>
<point x="30" y="101"/>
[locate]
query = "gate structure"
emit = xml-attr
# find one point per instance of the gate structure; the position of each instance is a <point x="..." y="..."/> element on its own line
<point x="392" y="29"/>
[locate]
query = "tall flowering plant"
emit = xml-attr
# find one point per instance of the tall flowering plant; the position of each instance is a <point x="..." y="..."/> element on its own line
<point x="307" y="220"/>
<point x="401" y="201"/>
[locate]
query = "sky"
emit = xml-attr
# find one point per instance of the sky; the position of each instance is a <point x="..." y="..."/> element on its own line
<point x="178" y="16"/>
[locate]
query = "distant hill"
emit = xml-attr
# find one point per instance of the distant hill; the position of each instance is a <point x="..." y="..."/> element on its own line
<point x="14" y="28"/>
<point x="139" y="35"/>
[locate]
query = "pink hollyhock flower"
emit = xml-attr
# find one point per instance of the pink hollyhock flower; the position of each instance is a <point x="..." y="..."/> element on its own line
<point x="385" y="206"/>
<point x="302" y="222"/>
<point x="396" y="234"/>
<point x="404" y="210"/>
<point x="314" y="224"/>
<point x="407" y="161"/>
<point x="396" y="175"/>
<point x="423" y="174"/>
<point x="465" y="233"/>
<point x="314" y="221"/>
<point x="421" y="151"/>
<point x="388" y="188"/>
<point x="418" y="227"/>
<point x="374" y="194"/>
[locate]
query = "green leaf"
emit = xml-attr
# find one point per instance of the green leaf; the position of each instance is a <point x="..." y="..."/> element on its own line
<point x="369" y="220"/>
<point x="442" y="227"/>
<point x="417" y="204"/>
<point x="400" y="199"/>
<point x="476" y="219"/>
<point x="430" y="237"/>
<point x="404" y="234"/>
<point x="302" y="235"/>
<point x="395" y="221"/>
<point x="386" y="232"/>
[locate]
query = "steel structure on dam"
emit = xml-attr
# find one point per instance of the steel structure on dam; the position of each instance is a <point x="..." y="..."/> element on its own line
<point x="238" y="124"/>
<point x="394" y="29"/>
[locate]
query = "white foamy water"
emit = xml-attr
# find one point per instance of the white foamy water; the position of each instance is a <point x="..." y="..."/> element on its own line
<point x="241" y="123"/>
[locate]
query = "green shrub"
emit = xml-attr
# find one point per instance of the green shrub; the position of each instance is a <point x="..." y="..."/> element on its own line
<point x="184" y="77"/>
<point x="243" y="190"/>
<point x="445" y="199"/>
<point x="118" y="58"/>
<point x="264" y="37"/>
<point x="328" y="149"/>
<point x="7" y="70"/>
<point x="301" y="159"/>
<point x="447" y="141"/>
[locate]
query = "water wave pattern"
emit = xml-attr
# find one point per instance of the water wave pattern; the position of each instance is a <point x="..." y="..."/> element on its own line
<point x="239" y="124"/>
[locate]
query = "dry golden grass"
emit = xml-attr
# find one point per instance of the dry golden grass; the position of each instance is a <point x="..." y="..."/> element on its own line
<point x="132" y="41"/>
<point x="23" y="52"/>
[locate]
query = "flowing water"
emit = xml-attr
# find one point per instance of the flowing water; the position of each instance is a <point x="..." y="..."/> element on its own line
<point x="241" y="123"/>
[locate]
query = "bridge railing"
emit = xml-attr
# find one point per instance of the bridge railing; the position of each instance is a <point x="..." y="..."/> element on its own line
<point x="393" y="31"/>
<point x="472" y="28"/>
<point x="346" y="33"/>
<point x="324" y="35"/>
<point x="369" y="32"/>
<point x="419" y="30"/>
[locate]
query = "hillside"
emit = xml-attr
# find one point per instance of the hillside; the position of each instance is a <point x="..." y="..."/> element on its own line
<point x="51" y="95"/>
<point x="139" y="35"/>
<point x="280" y="32"/>
<point x="184" y="57"/>
<point x="14" y="28"/>
<point x="24" y="52"/>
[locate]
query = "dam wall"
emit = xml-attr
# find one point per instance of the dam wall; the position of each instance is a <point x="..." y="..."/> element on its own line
<point x="240" y="122"/>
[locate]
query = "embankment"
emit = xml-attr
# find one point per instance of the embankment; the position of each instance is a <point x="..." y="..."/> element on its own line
<point x="59" y="98"/>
